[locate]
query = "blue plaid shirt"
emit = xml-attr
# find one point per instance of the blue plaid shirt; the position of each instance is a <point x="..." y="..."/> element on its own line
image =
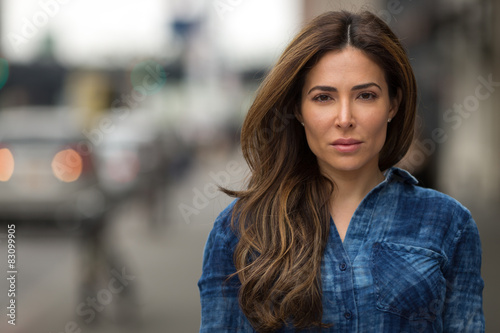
<point x="410" y="262"/>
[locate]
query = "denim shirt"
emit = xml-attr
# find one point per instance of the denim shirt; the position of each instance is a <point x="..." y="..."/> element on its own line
<point x="410" y="262"/>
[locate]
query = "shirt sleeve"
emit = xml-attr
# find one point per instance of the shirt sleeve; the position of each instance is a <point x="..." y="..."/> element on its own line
<point x="220" y="310"/>
<point x="463" y="311"/>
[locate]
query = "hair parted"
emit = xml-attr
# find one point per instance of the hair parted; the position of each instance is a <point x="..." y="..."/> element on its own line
<point x="282" y="217"/>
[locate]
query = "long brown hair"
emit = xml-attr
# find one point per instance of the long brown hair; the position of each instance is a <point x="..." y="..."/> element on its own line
<point x="282" y="218"/>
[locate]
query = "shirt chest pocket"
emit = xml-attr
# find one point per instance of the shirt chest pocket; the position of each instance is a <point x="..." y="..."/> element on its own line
<point x="408" y="280"/>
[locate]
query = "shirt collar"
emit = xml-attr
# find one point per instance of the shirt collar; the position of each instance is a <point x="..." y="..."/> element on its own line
<point x="400" y="175"/>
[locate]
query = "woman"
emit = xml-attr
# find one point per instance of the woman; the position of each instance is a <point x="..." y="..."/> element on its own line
<point x="329" y="236"/>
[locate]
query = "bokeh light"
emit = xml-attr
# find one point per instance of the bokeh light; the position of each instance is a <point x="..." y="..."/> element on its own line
<point x="6" y="164"/>
<point x="67" y="165"/>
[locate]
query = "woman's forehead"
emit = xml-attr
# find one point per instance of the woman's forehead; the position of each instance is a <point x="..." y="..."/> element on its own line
<point x="344" y="69"/>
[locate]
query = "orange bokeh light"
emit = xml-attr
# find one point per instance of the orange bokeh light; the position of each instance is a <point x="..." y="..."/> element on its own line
<point x="67" y="165"/>
<point x="6" y="164"/>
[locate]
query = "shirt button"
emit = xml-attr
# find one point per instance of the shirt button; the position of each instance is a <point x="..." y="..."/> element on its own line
<point x="348" y="315"/>
<point x="343" y="266"/>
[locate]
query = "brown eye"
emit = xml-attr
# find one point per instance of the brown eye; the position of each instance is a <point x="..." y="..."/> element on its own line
<point x="322" y="98"/>
<point x="367" y="96"/>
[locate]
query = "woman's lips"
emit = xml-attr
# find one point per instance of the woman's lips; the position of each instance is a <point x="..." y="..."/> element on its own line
<point x="346" y="145"/>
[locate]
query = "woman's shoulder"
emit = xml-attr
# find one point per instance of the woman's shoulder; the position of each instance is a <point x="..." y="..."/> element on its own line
<point x="222" y="226"/>
<point x="413" y="195"/>
<point x="438" y="219"/>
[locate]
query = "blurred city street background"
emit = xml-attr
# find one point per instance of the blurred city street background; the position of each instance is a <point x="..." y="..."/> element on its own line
<point x="119" y="119"/>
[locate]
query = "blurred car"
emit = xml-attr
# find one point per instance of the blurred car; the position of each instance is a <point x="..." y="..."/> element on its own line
<point x="46" y="168"/>
<point x="134" y="158"/>
<point x="129" y="159"/>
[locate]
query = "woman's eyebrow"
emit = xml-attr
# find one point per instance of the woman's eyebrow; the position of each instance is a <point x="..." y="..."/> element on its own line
<point x="356" y="87"/>
<point x="322" y="88"/>
<point x="365" y="85"/>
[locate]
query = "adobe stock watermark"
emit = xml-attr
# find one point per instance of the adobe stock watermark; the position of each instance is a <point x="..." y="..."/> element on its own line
<point x="280" y="121"/>
<point x="454" y="116"/>
<point x="201" y="198"/>
<point x="394" y="7"/>
<point x="87" y="309"/>
<point x="30" y="27"/>
<point x="222" y="7"/>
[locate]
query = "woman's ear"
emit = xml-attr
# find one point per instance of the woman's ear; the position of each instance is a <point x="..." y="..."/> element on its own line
<point x="395" y="102"/>
<point x="298" y="114"/>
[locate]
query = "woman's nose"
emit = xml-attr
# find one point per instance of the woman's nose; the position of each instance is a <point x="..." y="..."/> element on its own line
<point x="344" y="117"/>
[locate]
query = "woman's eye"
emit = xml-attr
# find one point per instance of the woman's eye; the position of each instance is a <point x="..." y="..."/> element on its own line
<point x="367" y="96"/>
<point x="322" y="98"/>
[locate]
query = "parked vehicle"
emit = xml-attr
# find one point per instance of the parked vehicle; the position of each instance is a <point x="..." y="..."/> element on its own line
<point x="47" y="170"/>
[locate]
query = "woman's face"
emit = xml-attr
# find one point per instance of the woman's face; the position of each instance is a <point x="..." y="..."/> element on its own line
<point x="345" y="109"/>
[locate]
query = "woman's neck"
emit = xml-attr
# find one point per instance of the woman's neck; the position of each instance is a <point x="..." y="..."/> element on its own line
<point x="354" y="185"/>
